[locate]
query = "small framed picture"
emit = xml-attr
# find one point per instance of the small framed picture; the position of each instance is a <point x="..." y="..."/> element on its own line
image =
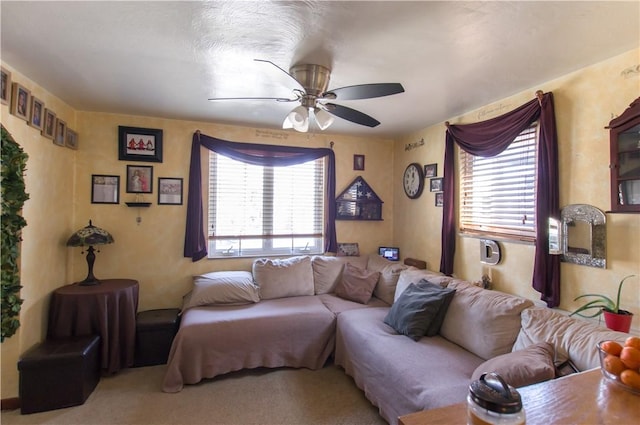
<point x="139" y="144"/>
<point x="139" y="179"/>
<point x="348" y="250"/>
<point x="20" y="101"/>
<point x="435" y="185"/>
<point x="60" y="134"/>
<point x="439" y="199"/>
<point x="169" y="191"/>
<point x="49" y="124"/>
<point x="37" y="113"/>
<point x="5" y="91"/>
<point x="105" y="189"/>
<point x="430" y="170"/>
<point x="71" y="139"/>
<point x="358" y="162"/>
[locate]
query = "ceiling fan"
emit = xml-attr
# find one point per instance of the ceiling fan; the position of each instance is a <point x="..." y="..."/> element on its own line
<point x="315" y="99"/>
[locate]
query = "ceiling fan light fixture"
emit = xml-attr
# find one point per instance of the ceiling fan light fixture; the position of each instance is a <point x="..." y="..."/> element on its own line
<point x="323" y="118"/>
<point x="298" y="119"/>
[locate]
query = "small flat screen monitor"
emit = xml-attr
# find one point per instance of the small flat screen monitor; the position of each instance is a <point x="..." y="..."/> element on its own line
<point x="389" y="252"/>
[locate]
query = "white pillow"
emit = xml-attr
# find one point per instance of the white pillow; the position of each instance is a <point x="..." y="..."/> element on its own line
<point x="227" y="287"/>
<point x="289" y="277"/>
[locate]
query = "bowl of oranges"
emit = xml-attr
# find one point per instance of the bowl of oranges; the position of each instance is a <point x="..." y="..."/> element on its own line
<point x="621" y="362"/>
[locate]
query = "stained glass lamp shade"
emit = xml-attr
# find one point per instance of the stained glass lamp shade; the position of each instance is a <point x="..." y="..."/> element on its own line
<point x="90" y="236"/>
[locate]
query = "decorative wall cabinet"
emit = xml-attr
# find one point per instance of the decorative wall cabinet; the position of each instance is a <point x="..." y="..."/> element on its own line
<point x="624" y="139"/>
<point x="358" y="202"/>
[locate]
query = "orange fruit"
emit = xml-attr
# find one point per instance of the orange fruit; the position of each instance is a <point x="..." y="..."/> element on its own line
<point x="613" y="364"/>
<point x="611" y="347"/>
<point x="633" y="341"/>
<point x="630" y="356"/>
<point x="631" y="378"/>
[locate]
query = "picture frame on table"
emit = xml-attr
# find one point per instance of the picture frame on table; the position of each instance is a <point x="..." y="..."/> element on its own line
<point x="5" y="89"/>
<point x="435" y="185"/>
<point x="60" y="134"/>
<point x="71" y="139"/>
<point x="439" y="199"/>
<point x="49" y="124"/>
<point x="358" y="162"/>
<point x="430" y="170"/>
<point x="170" y="190"/>
<point x="36" y="118"/>
<point x="139" y="179"/>
<point x="105" y="189"/>
<point x="20" y="97"/>
<point x="139" y="144"/>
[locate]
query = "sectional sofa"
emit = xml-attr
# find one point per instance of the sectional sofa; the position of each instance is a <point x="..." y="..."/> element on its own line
<point x="411" y="339"/>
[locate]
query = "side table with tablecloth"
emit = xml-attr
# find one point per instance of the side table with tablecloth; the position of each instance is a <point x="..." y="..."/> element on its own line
<point x="107" y="309"/>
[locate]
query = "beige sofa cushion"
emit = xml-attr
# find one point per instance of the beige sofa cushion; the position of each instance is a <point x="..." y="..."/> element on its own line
<point x="279" y="278"/>
<point x="224" y="287"/>
<point x="414" y="275"/>
<point x="389" y="274"/>
<point x="573" y="338"/>
<point x="482" y="321"/>
<point x="327" y="271"/>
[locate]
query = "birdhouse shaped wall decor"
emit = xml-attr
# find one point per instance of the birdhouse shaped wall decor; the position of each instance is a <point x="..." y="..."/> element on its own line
<point x="358" y="202"/>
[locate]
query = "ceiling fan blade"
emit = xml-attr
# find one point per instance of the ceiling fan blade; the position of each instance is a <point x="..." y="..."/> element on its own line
<point x="351" y="115"/>
<point x="365" y="91"/>
<point x="291" y="76"/>
<point x="277" y="99"/>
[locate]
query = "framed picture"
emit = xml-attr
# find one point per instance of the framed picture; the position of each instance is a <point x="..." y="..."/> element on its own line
<point x="20" y="101"/>
<point x="49" y="124"/>
<point x="5" y="91"/>
<point x="37" y="113"/>
<point x="169" y="191"/>
<point x="439" y="199"/>
<point x="430" y="170"/>
<point x="105" y="189"/>
<point x="348" y="250"/>
<point x="358" y="162"/>
<point x="139" y="144"/>
<point x="71" y="139"/>
<point x="435" y="185"/>
<point x="139" y="179"/>
<point x="60" y="134"/>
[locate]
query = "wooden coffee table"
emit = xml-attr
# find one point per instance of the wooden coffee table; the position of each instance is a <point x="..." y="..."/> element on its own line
<point x="581" y="398"/>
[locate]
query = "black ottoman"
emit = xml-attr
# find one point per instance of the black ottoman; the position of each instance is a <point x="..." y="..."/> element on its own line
<point x="155" y="330"/>
<point x="59" y="373"/>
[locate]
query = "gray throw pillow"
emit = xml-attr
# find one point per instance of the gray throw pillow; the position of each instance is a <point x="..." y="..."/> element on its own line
<point x="436" y="323"/>
<point x="414" y="312"/>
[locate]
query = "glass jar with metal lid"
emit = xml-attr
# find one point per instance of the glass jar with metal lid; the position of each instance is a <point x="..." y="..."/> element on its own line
<point x="491" y="401"/>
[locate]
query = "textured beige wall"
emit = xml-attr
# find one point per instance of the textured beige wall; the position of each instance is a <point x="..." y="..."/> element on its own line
<point x="585" y="102"/>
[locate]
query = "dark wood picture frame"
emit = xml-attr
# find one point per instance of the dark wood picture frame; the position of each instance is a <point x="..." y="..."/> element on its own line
<point x="439" y="199"/>
<point x="170" y="190"/>
<point x="358" y="162"/>
<point x="430" y="170"/>
<point x="36" y="115"/>
<point x="139" y="179"/>
<point x="139" y="144"/>
<point x="60" y="133"/>
<point x="435" y="185"/>
<point x="71" y="139"/>
<point x="20" y="97"/>
<point x="49" y="124"/>
<point x="105" y="189"/>
<point x="5" y="89"/>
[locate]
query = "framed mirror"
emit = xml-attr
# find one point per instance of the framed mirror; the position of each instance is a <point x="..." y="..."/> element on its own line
<point x="583" y="236"/>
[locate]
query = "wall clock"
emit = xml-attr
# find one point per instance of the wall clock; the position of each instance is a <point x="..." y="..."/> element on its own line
<point x="413" y="180"/>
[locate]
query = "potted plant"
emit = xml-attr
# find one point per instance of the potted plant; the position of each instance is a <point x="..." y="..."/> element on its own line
<point x="615" y="318"/>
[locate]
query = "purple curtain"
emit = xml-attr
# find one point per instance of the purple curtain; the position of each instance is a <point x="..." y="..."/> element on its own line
<point x="489" y="138"/>
<point x="195" y="243"/>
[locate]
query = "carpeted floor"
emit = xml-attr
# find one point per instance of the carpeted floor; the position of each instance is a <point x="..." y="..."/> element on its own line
<point x="264" y="397"/>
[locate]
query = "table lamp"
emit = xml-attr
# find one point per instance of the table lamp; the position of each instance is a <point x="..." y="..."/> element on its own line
<point x="90" y="236"/>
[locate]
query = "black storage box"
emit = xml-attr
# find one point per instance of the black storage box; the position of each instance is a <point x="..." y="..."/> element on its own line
<point x="59" y="373"/>
<point x="155" y="330"/>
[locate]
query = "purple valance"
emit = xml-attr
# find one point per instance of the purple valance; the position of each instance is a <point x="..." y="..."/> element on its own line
<point x="195" y="243"/>
<point x="489" y="138"/>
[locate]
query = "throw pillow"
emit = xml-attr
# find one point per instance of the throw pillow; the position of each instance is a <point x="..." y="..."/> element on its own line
<point x="327" y="271"/>
<point x="436" y="323"/>
<point x="389" y="275"/>
<point x="228" y="287"/>
<point x="280" y="278"/>
<point x="414" y="311"/>
<point x="521" y="368"/>
<point x="357" y="284"/>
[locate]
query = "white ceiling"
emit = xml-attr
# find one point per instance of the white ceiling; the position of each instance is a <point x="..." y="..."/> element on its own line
<point x="165" y="59"/>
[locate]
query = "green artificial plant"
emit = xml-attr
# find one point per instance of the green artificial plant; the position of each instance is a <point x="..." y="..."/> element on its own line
<point x="601" y="302"/>
<point x="14" y="161"/>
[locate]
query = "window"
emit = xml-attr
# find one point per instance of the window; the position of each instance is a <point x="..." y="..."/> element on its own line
<point x="256" y="210"/>
<point x="497" y="194"/>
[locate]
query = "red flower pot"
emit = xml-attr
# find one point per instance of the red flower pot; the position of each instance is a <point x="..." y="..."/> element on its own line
<point x="620" y="321"/>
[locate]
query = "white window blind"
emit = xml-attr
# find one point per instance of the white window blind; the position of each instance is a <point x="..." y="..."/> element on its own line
<point x="498" y="193"/>
<point x="256" y="210"/>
